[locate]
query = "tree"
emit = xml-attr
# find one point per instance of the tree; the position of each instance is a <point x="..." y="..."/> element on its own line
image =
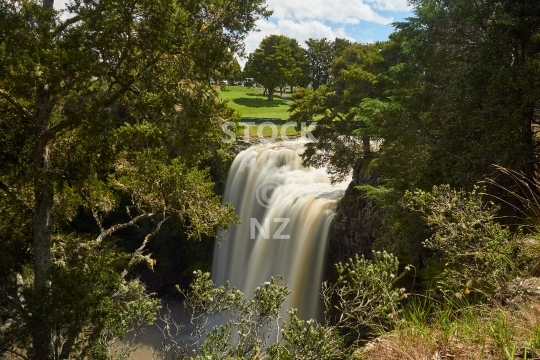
<point x="474" y="63"/>
<point x="105" y="106"/>
<point x="235" y="71"/>
<point x="353" y="77"/>
<point x="320" y="57"/>
<point x="454" y="92"/>
<point x="299" y="55"/>
<point x="273" y="63"/>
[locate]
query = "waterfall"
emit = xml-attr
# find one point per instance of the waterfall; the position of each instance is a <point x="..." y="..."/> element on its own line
<point x="285" y="215"/>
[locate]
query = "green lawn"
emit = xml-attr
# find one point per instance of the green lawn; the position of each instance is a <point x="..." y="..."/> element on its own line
<point x="250" y="102"/>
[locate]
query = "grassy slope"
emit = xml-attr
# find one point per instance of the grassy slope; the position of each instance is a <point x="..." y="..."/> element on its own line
<point x="477" y="332"/>
<point x="250" y="102"/>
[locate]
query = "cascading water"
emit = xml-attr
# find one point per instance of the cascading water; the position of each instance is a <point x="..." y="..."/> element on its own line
<point x="285" y="214"/>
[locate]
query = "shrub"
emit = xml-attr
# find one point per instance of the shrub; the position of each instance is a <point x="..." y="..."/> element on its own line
<point x="307" y="340"/>
<point x="364" y="295"/>
<point x="247" y="324"/>
<point x="475" y="251"/>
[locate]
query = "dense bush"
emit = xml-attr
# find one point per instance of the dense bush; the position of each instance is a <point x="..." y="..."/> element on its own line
<point x="474" y="251"/>
<point x="367" y="303"/>
<point x="364" y="300"/>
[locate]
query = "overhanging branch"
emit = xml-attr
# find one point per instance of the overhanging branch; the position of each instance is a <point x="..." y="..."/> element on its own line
<point x="66" y="23"/>
<point x="52" y="131"/>
<point x="140" y="250"/>
<point x="22" y="110"/>
<point x="106" y="233"/>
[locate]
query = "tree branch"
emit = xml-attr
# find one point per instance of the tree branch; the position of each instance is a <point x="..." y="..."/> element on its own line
<point x="65" y="24"/>
<point x="106" y="233"/>
<point x="23" y="111"/>
<point x="52" y="131"/>
<point x="98" y="221"/>
<point x="16" y="354"/>
<point x="147" y="238"/>
<point x="129" y="85"/>
<point x="29" y="212"/>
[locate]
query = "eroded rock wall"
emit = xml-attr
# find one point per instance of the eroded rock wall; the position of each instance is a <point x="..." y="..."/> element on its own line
<point x="358" y="221"/>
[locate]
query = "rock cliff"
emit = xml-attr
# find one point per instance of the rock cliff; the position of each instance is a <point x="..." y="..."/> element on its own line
<point x="358" y="221"/>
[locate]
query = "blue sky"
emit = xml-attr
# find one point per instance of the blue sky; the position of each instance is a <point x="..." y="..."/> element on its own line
<point x="356" y="20"/>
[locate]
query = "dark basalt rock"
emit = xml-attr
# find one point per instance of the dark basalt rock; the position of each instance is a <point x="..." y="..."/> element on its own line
<point x="358" y="221"/>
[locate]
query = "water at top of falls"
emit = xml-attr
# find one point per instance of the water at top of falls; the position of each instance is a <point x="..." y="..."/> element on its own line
<point x="285" y="215"/>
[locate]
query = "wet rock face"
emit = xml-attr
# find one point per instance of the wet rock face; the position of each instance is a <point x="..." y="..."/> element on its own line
<point x="242" y="143"/>
<point x="358" y="221"/>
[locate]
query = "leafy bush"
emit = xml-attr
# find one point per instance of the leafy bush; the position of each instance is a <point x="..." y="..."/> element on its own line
<point x="364" y="295"/>
<point x="307" y="340"/>
<point x="90" y="304"/>
<point x="475" y="251"/>
<point x="249" y="322"/>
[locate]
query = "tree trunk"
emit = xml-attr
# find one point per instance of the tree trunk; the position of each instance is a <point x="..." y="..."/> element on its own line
<point x="366" y="143"/>
<point x="43" y="202"/>
<point x="270" y="94"/>
<point x="291" y="89"/>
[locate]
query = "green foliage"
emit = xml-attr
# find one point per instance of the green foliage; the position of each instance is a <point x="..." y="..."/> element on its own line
<point x="113" y="103"/>
<point x="476" y="94"/>
<point x="250" y="323"/>
<point x="340" y="128"/>
<point x="319" y="58"/>
<point x="235" y="71"/>
<point x="476" y="251"/>
<point x="274" y="63"/>
<point x="449" y="96"/>
<point x="365" y="296"/>
<point x="90" y="305"/>
<point x="189" y="191"/>
<point x="307" y="340"/>
<point x="403" y="230"/>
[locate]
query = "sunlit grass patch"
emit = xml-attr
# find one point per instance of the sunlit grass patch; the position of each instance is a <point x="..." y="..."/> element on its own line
<point x="250" y="102"/>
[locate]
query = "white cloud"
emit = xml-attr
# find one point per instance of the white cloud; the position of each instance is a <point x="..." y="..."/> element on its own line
<point x="335" y="11"/>
<point x="390" y="5"/>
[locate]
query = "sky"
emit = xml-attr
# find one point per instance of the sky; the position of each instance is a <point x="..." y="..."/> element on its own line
<point x="355" y="20"/>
